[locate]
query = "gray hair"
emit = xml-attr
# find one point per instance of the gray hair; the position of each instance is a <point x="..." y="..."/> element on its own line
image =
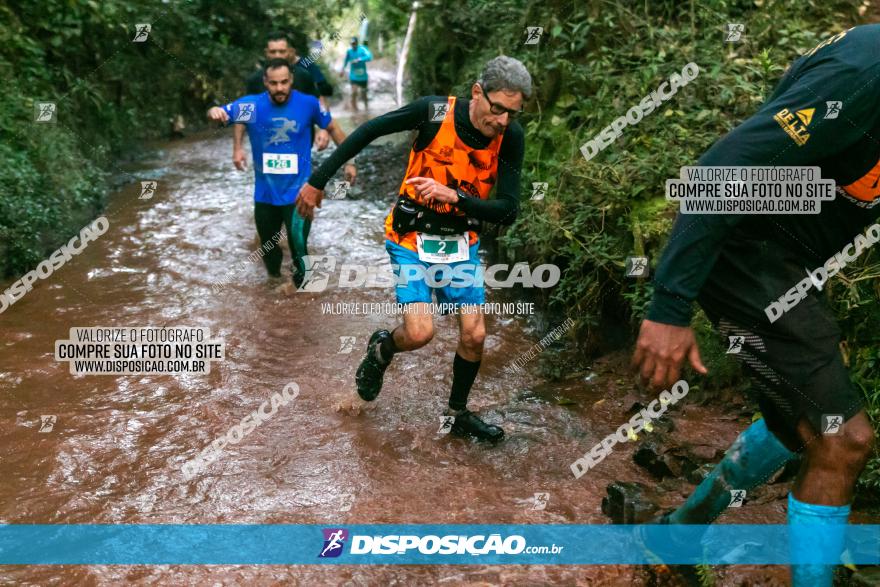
<point x="506" y="73"/>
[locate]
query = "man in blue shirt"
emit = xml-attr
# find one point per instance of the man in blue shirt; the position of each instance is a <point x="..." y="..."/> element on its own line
<point x="357" y="73"/>
<point x="278" y="124"/>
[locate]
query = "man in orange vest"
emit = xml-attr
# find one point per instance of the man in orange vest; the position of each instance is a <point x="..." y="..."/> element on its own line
<point x="463" y="149"/>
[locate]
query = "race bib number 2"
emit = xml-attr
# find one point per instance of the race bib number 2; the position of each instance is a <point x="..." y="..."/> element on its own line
<point x="280" y="163"/>
<point x="442" y="249"/>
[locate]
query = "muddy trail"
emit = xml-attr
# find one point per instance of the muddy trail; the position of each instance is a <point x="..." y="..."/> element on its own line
<point x="115" y="452"/>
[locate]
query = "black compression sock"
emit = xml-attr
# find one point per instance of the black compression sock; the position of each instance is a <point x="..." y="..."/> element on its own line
<point x="463" y="374"/>
<point x="387" y="349"/>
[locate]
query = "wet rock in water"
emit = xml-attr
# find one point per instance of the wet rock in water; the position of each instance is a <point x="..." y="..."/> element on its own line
<point x="629" y="503"/>
<point x="768" y="493"/>
<point x="663" y="425"/>
<point x="700" y="473"/>
<point x="661" y="460"/>
<point x="704" y="453"/>
<point x="669" y="485"/>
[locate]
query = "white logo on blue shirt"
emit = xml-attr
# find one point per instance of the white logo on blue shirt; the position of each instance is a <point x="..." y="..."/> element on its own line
<point x="245" y="112"/>
<point x="281" y="135"/>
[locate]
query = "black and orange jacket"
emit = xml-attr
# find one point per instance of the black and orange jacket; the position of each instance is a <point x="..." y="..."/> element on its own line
<point x="452" y="151"/>
<point x="825" y="112"/>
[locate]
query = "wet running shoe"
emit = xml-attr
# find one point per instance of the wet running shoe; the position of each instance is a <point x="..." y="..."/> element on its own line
<point x="372" y="370"/>
<point x="468" y="423"/>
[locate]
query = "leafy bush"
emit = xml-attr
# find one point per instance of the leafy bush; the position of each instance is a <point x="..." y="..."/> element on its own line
<point x="111" y="94"/>
<point x="595" y="60"/>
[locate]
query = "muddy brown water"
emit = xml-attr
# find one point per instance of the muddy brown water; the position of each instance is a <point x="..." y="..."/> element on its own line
<point x="116" y="449"/>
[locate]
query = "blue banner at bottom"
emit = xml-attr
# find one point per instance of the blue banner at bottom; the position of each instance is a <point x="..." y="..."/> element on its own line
<point x="369" y="544"/>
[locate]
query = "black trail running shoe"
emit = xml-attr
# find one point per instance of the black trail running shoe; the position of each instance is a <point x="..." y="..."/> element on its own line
<point x="468" y="423"/>
<point x="371" y="371"/>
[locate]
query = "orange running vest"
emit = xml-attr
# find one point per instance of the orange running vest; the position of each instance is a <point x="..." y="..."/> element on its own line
<point x="451" y="162"/>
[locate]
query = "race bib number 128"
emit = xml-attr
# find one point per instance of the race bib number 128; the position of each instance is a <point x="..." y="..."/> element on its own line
<point x="280" y="163"/>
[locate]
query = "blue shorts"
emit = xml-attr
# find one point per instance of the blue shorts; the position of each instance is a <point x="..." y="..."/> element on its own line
<point x="419" y="289"/>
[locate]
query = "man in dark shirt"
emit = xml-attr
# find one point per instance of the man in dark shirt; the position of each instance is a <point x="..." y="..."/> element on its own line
<point x="463" y="149"/>
<point x="278" y="47"/>
<point x="740" y="268"/>
<point x="308" y="77"/>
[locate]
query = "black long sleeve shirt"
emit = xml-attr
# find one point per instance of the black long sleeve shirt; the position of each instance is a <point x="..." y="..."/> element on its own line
<point x="415" y="116"/>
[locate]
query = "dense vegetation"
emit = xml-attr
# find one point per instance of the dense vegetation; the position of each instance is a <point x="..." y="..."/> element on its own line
<point x="111" y="94"/>
<point x="595" y="60"/>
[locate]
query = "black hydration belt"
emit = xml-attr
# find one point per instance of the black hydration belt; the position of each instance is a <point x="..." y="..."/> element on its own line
<point x="410" y="216"/>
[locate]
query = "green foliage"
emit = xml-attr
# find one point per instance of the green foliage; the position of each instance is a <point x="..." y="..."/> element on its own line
<point x="855" y="293"/>
<point x="706" y="575"/>
<point x="725" y="370"/>
<point x="111" y="94"/>
<point x="595" y="60"/>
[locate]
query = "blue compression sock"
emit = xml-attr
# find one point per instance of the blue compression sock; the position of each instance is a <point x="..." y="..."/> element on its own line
<point x="752" y="458"/>
<point x="811" y="546"/>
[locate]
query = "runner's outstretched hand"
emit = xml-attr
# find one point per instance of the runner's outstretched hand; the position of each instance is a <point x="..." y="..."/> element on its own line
<point x="350" y="172"/>
<point x="218" y="114"/>
<point x="239" y="160"/>
<point x="307" y="200"/>
<point x="660" y="351"/>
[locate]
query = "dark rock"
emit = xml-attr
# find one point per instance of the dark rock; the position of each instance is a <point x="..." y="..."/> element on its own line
<point x="704" y="452"/>
<point x="639" y="512"/>
<point x="628" y="503"/>
<point x="662" y="460"/>
<point x="650" y="457"/>
<point x="697" y="475"/>
<point x="768" y="493"/>
<point x="670" y="484"/>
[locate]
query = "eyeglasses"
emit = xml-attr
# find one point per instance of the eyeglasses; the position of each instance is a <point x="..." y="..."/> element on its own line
<point x="496" y="108"/>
